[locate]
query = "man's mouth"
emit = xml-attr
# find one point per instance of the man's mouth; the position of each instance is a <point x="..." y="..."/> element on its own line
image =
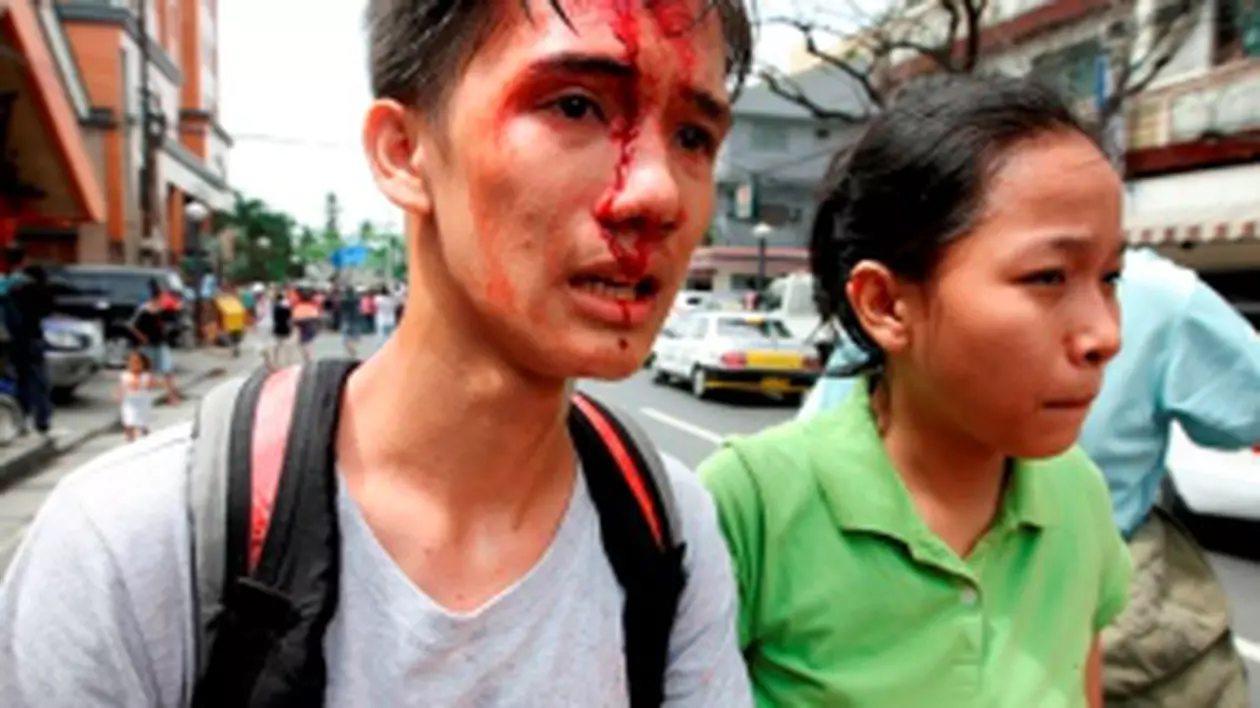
<point x="619" y="289"/>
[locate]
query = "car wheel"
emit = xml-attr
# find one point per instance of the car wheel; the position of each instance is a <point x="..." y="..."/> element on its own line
<point x="658" y="375"/>
<point x="116" y="350"/>
<point x="651" y="359"/>
<point x="699" y="383"/>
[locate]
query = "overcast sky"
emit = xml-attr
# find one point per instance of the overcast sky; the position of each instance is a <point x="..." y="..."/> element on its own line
<point x="293" y="89"/>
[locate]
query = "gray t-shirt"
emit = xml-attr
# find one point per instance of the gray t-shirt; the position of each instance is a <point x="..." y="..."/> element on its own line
<point x="96" y="608"/>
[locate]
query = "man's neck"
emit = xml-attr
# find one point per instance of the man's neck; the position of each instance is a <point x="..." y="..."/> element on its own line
<point x="436" y="414"/>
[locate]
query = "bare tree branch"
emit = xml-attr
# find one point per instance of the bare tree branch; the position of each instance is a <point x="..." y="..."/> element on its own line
<point x="842" y="64"/>
<point x="951" y="36"/>
<point x="788" y="89"/>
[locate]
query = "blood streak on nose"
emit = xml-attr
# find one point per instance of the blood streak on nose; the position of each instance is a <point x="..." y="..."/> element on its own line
<point x="672" y="18"/>
<point x="632" y="260"/>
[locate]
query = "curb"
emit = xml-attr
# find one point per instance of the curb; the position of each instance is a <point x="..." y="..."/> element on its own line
<point x="29" y="461"/>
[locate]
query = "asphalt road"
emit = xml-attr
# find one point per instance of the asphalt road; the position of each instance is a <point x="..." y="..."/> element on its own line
<point x="683" y="427"/>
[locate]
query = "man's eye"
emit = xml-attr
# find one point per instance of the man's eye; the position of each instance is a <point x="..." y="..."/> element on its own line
<point x="693" y="138"/>
<point x="577" y="107"/>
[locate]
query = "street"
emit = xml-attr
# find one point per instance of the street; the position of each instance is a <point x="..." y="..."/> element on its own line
<point x="681" y="426"/>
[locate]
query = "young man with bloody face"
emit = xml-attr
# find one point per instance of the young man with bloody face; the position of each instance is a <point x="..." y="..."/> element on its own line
<point x="554" y="161"/>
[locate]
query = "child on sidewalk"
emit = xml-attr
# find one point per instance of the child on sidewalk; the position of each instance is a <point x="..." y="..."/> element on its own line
<point x="135" y="396"/>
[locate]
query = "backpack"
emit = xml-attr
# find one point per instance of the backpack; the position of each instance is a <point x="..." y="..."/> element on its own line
<point x="266" y="566"/>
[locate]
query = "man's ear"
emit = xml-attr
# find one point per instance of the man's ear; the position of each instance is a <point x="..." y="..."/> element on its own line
<point x="397" y="157"/>
<point x="877" y="298"/>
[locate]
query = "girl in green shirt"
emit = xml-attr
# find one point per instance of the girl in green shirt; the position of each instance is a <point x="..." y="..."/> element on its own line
<point x="936" y="540"/>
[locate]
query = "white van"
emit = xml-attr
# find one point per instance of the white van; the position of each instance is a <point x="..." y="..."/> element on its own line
<point x="791" y="298"/>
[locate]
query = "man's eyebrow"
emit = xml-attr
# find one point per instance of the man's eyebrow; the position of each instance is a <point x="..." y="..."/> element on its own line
<point x="600" y="65"/>
<point x="587" y="64"/>
<point x="713" y="108"/>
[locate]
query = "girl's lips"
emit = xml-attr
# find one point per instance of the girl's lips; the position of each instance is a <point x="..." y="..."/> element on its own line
<point x="1070" y="404"/>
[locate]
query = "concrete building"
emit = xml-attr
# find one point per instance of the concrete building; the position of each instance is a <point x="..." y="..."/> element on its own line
<point x="1192" y="137"/>
<point x="191" y="148"/>
<point x="47" y="177"/>
<point x="777" y="150"/>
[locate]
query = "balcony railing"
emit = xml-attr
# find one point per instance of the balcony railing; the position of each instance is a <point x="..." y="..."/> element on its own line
<point x="1225" y="100"/>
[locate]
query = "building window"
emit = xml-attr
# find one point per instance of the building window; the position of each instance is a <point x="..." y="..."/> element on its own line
<point x="1073" y="70"/>
<point x="768" y="137"/>
<point x="1237" y="30"/>
<point x="778" y="214"/>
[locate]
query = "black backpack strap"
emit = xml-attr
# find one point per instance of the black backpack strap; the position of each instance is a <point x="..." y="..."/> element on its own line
<point x="640" y="532"/>
<point x="262" y="636"/>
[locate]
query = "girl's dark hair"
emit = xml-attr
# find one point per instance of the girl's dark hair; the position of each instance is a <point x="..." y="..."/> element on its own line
<point x="915" y="181"/>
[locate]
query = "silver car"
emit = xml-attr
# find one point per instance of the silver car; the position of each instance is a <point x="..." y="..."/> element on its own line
<point x="75" y="351"/>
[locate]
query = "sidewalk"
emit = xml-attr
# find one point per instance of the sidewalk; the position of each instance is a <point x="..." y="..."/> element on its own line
<point x="93" y="411"/>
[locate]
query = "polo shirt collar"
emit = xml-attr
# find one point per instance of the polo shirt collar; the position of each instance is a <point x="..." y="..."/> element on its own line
<point x="864" y="491"/>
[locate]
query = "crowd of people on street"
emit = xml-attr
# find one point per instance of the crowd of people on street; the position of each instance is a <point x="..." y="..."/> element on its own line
<point x="448" y="523"/>
<point x="289" y="317"/>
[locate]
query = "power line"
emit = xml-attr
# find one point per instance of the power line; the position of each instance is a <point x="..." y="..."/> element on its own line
<point x="295" y="142"/>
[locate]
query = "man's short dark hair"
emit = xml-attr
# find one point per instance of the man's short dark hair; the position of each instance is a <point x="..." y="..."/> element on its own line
<point x="417" y="48"/>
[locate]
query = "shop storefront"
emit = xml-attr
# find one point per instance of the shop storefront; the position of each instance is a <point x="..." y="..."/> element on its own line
<point x="48" y="184"/>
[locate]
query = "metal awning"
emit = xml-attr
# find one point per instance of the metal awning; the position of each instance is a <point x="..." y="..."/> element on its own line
<point x="1220" y="225"/>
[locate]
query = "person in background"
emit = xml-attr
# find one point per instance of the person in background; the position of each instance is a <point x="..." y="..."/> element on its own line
<point x="135" y="396"/>
<point x="152" y="327"/>
<point x="351" y="320"/>
<point x="14" y="259"/>
<point x="306" y="319"/>
<point x="249" y="301"/>
<point x="1189" y="358"/>
<point x="935" y="539"/>
<point x="28" y="301"/>
<point x="281" y="326"/>
<point x="386" y="307"/>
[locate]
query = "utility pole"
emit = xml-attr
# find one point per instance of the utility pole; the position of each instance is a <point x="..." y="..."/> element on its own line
<point x="148" y="123"/>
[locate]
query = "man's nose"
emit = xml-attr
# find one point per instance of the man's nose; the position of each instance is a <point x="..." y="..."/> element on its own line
<point x="644" y="195"/>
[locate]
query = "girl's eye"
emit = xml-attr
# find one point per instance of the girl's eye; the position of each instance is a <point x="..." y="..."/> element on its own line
<point x="577" y="108"/>
<point x="1050" y="276"/>
<point x="693" y="138"/>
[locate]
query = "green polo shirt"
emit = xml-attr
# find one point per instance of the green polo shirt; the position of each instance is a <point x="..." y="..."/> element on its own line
<point x="848" y="599"/>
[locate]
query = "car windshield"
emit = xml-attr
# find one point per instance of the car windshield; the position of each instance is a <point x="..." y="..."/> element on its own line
<point x="122" y="286"/>
<point x="751" y="328"/>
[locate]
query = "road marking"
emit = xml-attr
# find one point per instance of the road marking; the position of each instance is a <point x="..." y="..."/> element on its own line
<point x="1249" y="649"/>
<point x="702" y="433"/>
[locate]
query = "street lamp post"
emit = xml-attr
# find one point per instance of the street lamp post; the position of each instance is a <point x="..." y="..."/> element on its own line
<point x="196" y="214"/>
<point x="762" y="232"/>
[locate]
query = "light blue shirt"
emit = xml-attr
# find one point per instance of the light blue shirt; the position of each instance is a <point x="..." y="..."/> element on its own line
<point x="1188" y="357"/>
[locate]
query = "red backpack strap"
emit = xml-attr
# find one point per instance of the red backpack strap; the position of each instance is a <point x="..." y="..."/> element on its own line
<point x="260" y="640"/>
<point x="273" y="417"/>
<point x="632" y="470"/>
<point x="639" y="529"/>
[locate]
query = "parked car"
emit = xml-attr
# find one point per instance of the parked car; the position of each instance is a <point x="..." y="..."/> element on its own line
<point x="736" y="351"/>
<point x="109" y="295"/>
<point x="75" y="352"/>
